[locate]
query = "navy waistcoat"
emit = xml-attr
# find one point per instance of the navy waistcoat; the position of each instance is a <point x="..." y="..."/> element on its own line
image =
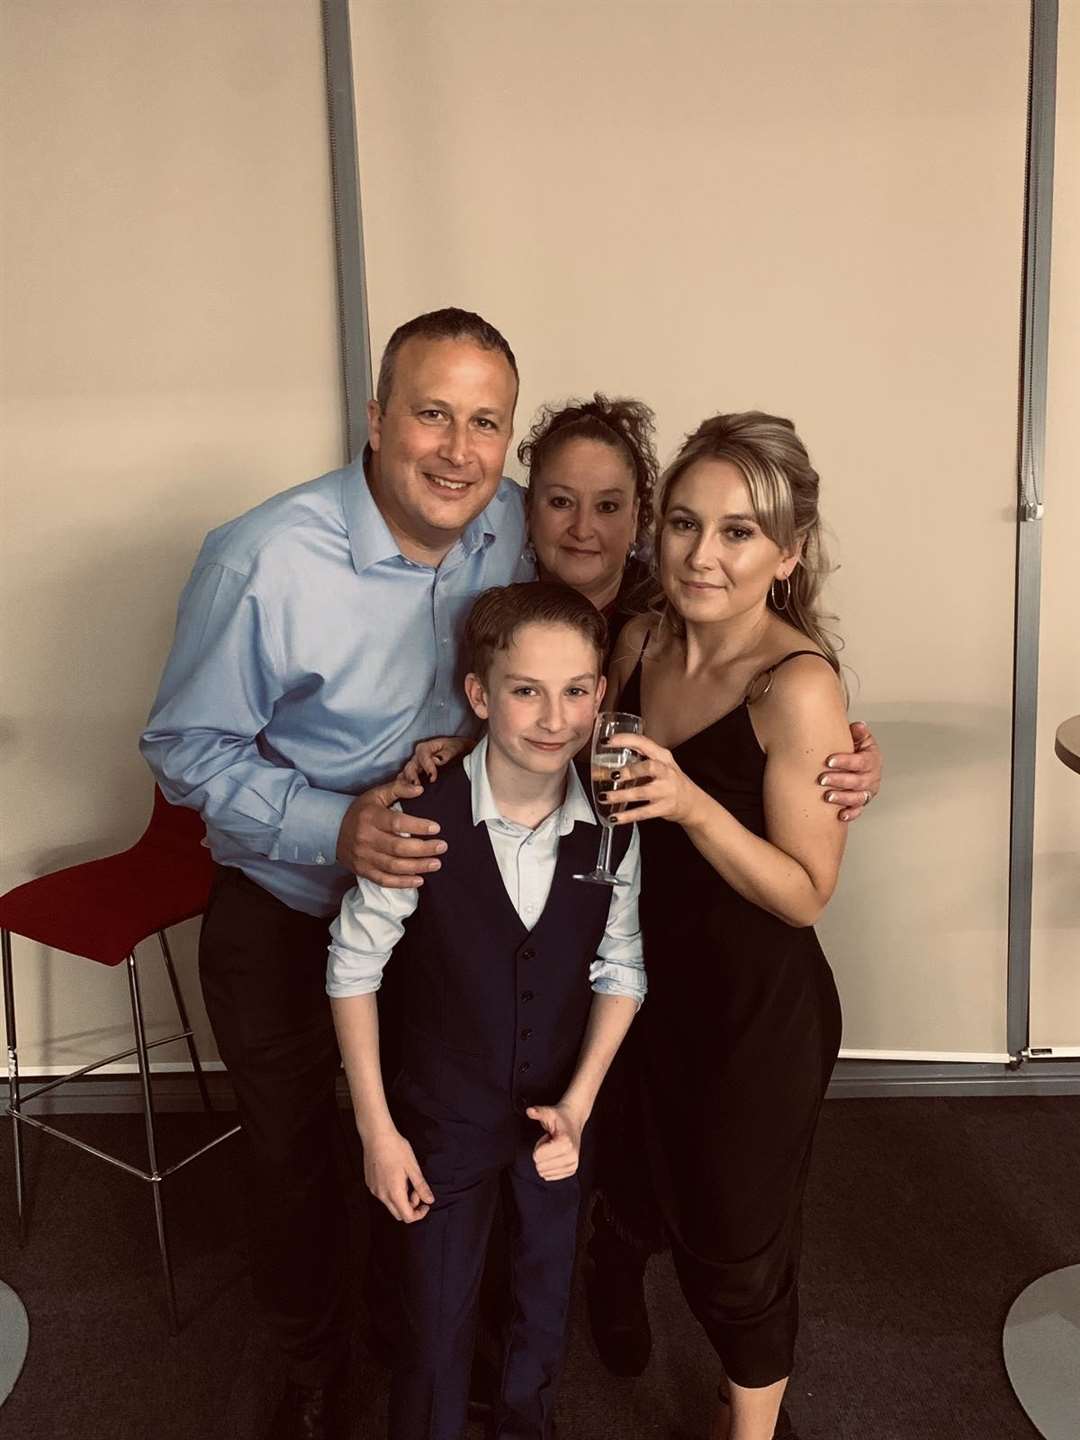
<point x="493" y="1014"/>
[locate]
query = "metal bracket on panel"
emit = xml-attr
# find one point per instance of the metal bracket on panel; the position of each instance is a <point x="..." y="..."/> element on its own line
<point x="1031" y="510"/>
<point x="1051" y="1052"/>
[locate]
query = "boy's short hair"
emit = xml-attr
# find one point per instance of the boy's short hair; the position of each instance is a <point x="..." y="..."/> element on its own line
<point x="499" y="613"/>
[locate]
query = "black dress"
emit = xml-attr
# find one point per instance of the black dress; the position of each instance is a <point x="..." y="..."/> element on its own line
<point x="735" y="1046"/>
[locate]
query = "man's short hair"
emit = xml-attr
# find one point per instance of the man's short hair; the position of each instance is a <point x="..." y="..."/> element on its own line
<point x="448" y="324"/>
<point x="498" y="614"/>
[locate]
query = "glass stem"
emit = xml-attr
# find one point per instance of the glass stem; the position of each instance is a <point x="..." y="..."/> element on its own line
<point x="604" y="862"/>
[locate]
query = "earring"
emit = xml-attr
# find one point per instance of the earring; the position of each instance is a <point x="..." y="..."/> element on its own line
<point x="529" y="553"/>
<point x="631" y="554"/>
<point x="781" y="604"/>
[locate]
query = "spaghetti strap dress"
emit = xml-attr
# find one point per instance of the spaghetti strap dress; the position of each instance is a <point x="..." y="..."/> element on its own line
<point x="735" y="1046"/>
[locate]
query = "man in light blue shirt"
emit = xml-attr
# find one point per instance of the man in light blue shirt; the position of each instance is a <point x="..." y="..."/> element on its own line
<point x="316" y="642"/>
<point x="315" y="646"/>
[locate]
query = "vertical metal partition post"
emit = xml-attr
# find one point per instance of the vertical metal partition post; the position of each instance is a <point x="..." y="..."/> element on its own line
<point x="1038" y="219"/>
<point x="348" y="225"/>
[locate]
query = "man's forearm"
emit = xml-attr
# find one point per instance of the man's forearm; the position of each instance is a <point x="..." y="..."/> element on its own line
<point x="609" y="1019"/>
<point x="356" y="1020"/>
<point x="269" y="809"/>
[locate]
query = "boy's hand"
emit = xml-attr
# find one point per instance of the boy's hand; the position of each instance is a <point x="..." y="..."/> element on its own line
<point x="393" y="1176"/>
<point x="854" y="779"/>
<point x="378" y="843"/>
<point x="429" y="755"/>
<point x="556" y="1152"/>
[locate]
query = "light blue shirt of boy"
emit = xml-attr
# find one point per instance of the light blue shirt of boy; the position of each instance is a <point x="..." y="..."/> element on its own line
<point x="373" y="918"/>
<point x="310" y="657"/>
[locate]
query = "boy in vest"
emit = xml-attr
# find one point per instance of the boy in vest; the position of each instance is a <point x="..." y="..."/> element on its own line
<point x="517" y="986"/>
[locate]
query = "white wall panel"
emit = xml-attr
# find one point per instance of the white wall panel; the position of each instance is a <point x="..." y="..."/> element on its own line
<point x="170" y="358"/>
<point x="810" y="208"/>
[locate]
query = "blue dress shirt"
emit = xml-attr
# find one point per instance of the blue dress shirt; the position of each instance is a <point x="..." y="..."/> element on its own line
<point x="310" y="657"/>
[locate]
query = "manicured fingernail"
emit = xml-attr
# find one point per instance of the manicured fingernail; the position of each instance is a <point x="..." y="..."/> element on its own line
<point x="440" y="848"/>
<point x="823" y="779"/>
<point x="830" y="795"/>
<point x="831" y="761"/>
<point x="435" y="865"/>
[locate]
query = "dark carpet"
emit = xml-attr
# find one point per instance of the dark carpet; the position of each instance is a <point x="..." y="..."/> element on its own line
<point x="924" y="1219"/>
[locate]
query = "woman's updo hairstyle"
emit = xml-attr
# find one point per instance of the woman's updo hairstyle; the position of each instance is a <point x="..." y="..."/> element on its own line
<point x="625" y="425"/>
<point x="783" y="489"/>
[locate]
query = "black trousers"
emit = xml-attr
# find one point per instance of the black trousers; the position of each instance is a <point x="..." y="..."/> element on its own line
<point x="439" y="1263"/>
<point x="263" y="971"/>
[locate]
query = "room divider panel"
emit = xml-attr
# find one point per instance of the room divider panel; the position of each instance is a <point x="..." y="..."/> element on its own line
<point x="816" y="210"/>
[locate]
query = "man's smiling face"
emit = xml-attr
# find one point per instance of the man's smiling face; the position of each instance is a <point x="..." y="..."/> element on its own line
<point x="439" y="446"/>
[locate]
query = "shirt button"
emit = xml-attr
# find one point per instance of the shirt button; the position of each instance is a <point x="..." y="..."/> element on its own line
<point x="526" y="1034"/>
<point x="524" y="1066"/>
<point x="526" y="996"/>
<point x="529" y="954"/>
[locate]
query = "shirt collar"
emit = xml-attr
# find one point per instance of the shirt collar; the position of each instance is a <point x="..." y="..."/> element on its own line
<point x="370" y="539"/>
<point x="574" y="810"/>
<point x="484" y="528"/>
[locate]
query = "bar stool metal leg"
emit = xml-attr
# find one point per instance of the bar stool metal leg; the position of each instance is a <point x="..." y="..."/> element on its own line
<point x="151" y="1141"/>
<point x="13" y="1078"/>
<point x="185" y="1023"/>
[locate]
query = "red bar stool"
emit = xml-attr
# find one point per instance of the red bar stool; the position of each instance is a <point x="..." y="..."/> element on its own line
<point x="101" y="910"/>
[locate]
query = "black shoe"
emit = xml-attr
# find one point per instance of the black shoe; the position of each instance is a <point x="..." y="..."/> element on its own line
<point x="311" y="1412"/>
<point x="618" y="1317"/>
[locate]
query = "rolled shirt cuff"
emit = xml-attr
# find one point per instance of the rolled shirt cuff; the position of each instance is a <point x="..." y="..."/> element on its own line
<point x="347" y="975"/>
<point x="620" y="980"/>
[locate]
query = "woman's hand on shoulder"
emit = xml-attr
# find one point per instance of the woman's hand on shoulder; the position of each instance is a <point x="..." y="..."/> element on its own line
<point x="430" y="755"/>
<point x="853" y="777"/>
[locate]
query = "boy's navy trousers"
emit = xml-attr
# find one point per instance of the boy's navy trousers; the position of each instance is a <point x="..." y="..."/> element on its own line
<point x="441" y="1260"/>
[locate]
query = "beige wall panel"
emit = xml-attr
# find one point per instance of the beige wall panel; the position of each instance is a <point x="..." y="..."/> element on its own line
<point x="1055" y="941"/>
<point x="809" y="208"/>
<point x="169" y="358"/>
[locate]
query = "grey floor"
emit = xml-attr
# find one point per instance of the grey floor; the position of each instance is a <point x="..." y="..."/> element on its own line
<point x="925" y="1218"/>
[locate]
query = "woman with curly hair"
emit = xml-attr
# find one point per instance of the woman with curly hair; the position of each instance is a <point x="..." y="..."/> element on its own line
<point x="592" y="467"/>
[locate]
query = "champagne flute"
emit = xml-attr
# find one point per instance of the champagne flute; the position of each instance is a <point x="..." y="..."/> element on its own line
<point x="604" y="759"/>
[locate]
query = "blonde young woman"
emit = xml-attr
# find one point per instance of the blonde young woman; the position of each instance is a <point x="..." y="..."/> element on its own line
<point x="591" y="468"/>
<point x="738" y="686"/>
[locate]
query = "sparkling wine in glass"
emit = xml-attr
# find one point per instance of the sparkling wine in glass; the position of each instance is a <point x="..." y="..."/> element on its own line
<point x="604" y="760"/>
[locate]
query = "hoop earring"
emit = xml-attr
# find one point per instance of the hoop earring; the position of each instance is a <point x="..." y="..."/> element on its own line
<point x="781" y="604"/>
